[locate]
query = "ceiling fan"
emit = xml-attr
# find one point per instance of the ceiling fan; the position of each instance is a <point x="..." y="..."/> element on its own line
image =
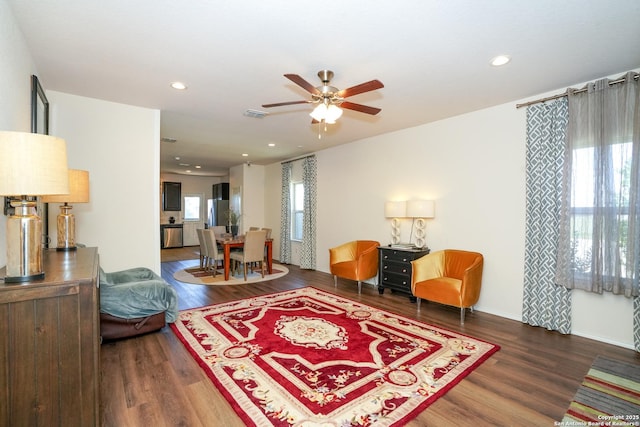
<point x="329" y="98"/>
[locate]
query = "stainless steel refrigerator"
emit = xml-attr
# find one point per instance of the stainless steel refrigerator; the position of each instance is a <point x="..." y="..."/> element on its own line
<point x="217" y="212"/>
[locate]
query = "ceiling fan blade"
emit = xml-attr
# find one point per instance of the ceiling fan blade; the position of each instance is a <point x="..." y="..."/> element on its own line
<point x="303" y="83"/>
<point x="280" y="104"/>
<point x="361" y="108"/>
<point x="361" y="88"/>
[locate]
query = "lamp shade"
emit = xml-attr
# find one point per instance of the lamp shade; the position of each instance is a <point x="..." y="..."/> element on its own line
<point x="319" y="112"/>
<point x="32" y="164"/>
<point x="421" y="209"/>
<point x="333" y="113"/>
<point x="78" y="189"/>
<point x="395" y="209"/>
<point x="328" y="113"/>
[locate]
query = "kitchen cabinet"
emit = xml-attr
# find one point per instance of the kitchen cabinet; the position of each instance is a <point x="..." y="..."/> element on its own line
<point x="171" y="196"/>
<point x="221" y="191"/>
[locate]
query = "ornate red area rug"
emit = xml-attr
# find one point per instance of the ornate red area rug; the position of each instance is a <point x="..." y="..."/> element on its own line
<point x="310" y="358"/>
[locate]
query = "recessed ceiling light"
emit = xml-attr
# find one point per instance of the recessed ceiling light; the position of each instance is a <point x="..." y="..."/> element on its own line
<point x="178" y="85"/>
<point x="272" y="145"/>
<point x="245" y="155"/>
<point x="188" y="171"/>
<point x="177" y="158"/>
<point x="198" y="167"/>
<point x="500" y="60"/>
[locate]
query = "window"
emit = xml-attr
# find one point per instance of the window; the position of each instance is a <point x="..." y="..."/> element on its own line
<point x="297" y="208"/>
<point x="600" y="207"/>
<point x="192" y="208"/>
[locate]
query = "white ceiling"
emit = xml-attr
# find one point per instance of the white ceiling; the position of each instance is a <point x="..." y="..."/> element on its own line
<point x="432" y="56"/>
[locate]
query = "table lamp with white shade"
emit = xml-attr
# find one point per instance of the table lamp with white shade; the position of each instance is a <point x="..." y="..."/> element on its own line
<point x="78" y="193"/>
<point x="395" y="210"/>
<point x="31" y="165"/>
<point x="419" y="210"/>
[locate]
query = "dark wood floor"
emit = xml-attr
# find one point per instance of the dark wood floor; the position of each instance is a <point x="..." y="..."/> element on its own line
<point x="152" y="380"/>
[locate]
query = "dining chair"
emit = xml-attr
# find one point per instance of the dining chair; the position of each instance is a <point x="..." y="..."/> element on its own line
<point x="253" y="250"/>
<point x="213" y="256"/>
<point x="268" y="230"/>
<point x="203" y="248"/>
<point x="219" y="230"/>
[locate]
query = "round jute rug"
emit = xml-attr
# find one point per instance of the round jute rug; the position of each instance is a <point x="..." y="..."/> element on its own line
<point x="198" y="277"/>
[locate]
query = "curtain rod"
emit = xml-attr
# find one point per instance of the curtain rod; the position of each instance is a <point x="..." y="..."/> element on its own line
<point x="566" y="92"/>
<point x="297" y="158"/>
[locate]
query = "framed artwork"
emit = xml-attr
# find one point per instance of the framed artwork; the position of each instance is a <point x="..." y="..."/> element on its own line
<point x="39" y="108"/>
<point x="40" y="124"/>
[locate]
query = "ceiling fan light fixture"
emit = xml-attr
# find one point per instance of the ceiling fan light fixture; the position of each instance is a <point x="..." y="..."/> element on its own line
<point x="327" y="113"/>
<point x="333" y="113"/>
<point x="319" y="112"/>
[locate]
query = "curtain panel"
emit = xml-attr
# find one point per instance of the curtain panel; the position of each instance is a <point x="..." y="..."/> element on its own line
<point x="285" y="215"/>
<point x="544" y="302"/>
<point x="599" y="246"/>
<point x="308" y="248"/>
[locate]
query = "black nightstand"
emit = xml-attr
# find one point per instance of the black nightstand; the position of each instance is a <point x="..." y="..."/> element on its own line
<point x="394" y="266"/>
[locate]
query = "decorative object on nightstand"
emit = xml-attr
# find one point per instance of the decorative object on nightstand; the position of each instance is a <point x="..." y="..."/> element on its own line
<point x="419" y="210"/>
<point x="78" y="193"/>
<point x="395" y="210"/>
<point x="31" y="165"/>
<point x="395" y="268"/>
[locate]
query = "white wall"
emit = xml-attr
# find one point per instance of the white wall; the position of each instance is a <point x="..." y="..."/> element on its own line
<point x="473" y="166"/>
<point x="120" y="147"/>
<point x="253" y="196"/>
<point x="16" y="69"/>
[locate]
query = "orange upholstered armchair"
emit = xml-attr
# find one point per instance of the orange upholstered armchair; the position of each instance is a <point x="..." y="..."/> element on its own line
<point x="450" y="277"/>
<point x="356" y="260"/>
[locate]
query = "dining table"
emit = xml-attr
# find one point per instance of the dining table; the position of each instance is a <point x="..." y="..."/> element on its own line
<point x="238" y="242"/>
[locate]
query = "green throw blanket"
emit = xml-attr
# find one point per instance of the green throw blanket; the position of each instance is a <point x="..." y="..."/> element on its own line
<point x="137" y="292"/>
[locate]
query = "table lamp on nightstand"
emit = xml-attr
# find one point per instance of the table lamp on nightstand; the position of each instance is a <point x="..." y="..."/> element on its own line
<point x="31" y="165"/>
<point x="419" y="210"/>
<point x="78" y="193"/>
<point x="395" y="210"/>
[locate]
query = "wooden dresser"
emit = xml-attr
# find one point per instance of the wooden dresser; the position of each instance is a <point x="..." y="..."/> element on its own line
<point x="50" y="344"/>
<point x="394" y="266"/>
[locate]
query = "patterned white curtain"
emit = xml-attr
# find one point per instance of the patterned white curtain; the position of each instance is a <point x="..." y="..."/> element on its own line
<point x="308" y="249"/>
<point x="544" y="302"/>
<point x="285" y="215"/>
<point x="600" y="229"/>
